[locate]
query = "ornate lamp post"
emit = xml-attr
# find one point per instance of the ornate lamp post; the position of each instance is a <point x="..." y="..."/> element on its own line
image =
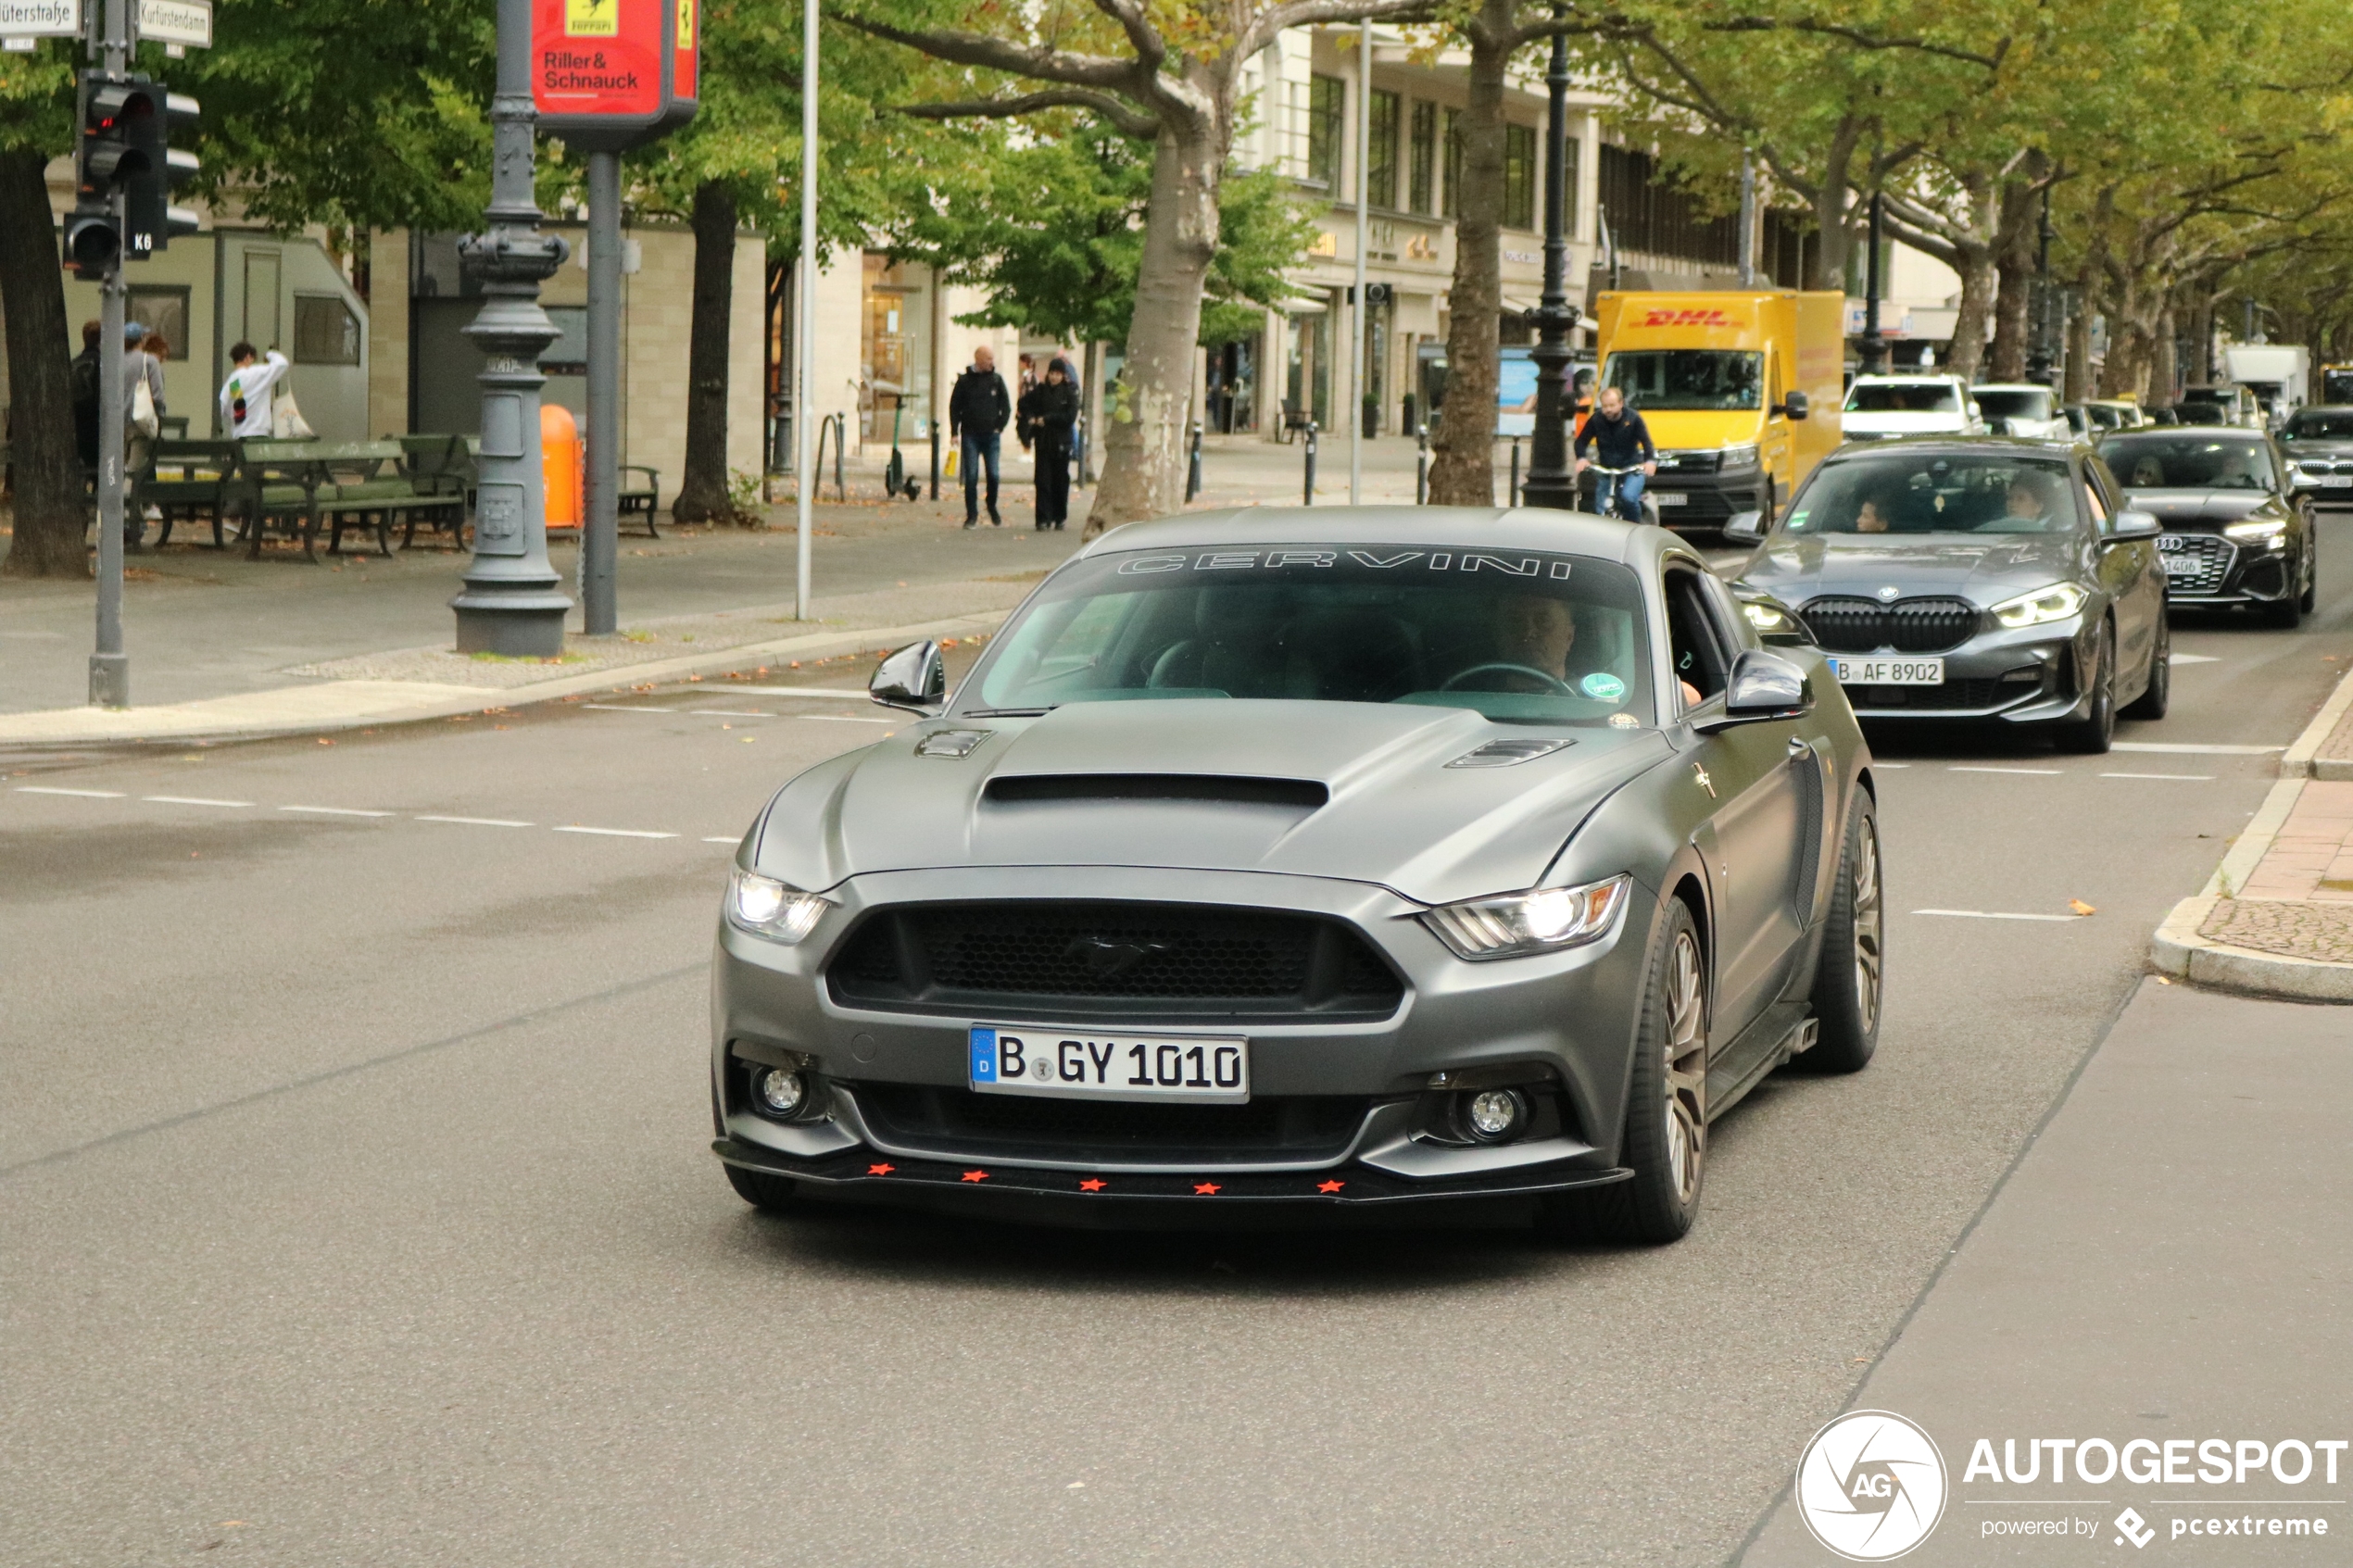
<point x="512" y="604"/>
<point x="1550" y="481"/>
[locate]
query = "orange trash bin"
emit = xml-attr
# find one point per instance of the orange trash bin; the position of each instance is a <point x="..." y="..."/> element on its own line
<point x="561" y="465"/>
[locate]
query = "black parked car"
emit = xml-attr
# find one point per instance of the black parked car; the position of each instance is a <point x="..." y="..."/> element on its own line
<point x="1985" y="579"/>
<point x="2319" y="444"/>
<point x="2235" y="533"/>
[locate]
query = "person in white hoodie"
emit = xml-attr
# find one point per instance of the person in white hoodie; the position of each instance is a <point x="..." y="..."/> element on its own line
<point x="246" y="396"/>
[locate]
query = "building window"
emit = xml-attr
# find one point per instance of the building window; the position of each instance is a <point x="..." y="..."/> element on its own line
<point x="326" y="333"/>
<point x="1422" y="155"/>
<point x="1380" y="183"/>
<point x="1448" y="206"/>
<point x="1519" y="177"/>
<point x="1647" y="212"/>
<point x="1324" y="97"/>
<point x="164" y="312"/>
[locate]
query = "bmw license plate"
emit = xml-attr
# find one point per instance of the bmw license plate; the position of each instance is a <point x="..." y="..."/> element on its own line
<point x="1091" y="1064"/>
<point x="1671" y="497"/>
<point x="2336" y="480"/>
<point x="1889" y="671"/>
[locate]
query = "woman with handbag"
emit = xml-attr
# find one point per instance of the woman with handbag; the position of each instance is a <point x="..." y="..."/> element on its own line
<point x="143" y="422"/>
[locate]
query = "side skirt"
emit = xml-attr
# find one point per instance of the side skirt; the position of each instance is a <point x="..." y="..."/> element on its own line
<point x="1754" y="1055"/>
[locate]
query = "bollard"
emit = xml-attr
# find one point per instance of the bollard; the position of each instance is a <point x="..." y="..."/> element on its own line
<point x="935" y="459"/>
<point x="841" y="437"/>
<point x="1310" y="463"/>
<point x="1421" y="466"/>
<point x="1512" y="494"/>
<point x="1192" y="469"/>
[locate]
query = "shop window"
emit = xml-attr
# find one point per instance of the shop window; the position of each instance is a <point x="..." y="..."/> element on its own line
<point x="1519" y="177"/>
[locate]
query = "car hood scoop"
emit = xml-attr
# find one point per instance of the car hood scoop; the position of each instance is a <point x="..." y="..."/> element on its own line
<point x="1357" y="791"/>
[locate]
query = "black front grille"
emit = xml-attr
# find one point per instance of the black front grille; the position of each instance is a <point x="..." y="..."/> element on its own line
<point x="1274" y="1127"/>
<point x="1962" y="696"/>
<point x="1106" y="961"/>
<point x="2196" y="563"/>
<point x="1850" y="625"/>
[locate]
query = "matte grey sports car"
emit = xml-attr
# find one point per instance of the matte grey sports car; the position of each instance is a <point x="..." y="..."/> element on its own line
<point x="1328" y="856"/>
<point x="1974" y="580"/>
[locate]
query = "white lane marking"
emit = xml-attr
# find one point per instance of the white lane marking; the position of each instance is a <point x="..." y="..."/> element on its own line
<point x="477" y="821"/>
<point x="2038" y="773"/>
<point x="196" y="800"/>
<point x="737" y="839"/>
<point x="1877" y="764"/>
<point x="2182" y="778"/>
<point x="333" y="811"/>
<point x="843" y="718"/>
<point x="2184" y="749"/>
<point x="618" y="833"/>
<point x="1997" y="914"/>
<point x="806" y="691"/>
<point x="82" y="794"/>
<point x="727" y="713"/>
<point x="617" y="708"/>
<point x="2191" y="658"/>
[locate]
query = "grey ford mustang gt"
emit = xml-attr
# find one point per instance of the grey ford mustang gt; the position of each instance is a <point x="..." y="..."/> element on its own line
<point x="1328" y="856"/>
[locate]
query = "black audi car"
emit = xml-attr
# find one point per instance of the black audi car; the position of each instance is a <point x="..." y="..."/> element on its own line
<point x="2236" y="530"/>
<point x="2319" y="444"/>
<point x="1985" y="579"/>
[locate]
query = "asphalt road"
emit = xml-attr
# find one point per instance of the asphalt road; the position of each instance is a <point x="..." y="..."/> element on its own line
<point x="355" y="1206"/>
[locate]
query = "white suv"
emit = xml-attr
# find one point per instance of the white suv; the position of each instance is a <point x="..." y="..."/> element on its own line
<point x="2023" y="409"/>
<point x="1885" y="406"/>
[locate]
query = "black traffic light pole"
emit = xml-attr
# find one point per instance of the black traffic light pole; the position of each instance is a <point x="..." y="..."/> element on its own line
<point x="1552" y="481"/>
<point x="111" y="666"/>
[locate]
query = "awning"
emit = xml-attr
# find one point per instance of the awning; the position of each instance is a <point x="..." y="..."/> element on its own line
<point x="1303" y="306"/>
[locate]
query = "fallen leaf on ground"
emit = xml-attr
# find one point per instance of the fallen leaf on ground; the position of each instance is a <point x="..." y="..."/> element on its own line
<point x="2081" y="908"/>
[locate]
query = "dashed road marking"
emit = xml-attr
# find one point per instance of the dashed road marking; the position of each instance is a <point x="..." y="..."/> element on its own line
<point x="196" y="800"/>
<point x="728" y="713"/>
<point x="333" y="811"/>
<point x="843" y="718"/>
<point x="737" y="839"/>
<point x="2187" y="750"/>
<point x="807" y="691"/>
<point x="84" y="794"/>
<point x="2191" y="658"/>
<point x="2182" y="778"/>
<point x="1997" y="914"/>
<point x="478" y="821"/>
<point x="617" y="832"/>
<point x="617" y="708"/>
<point x="2038" y="773"/>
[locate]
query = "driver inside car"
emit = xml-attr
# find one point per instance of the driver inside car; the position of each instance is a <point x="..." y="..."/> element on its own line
<point x="1536" y="632"/>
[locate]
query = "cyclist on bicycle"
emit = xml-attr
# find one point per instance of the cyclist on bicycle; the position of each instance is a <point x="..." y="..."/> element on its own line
<point x="1619" y="439"/>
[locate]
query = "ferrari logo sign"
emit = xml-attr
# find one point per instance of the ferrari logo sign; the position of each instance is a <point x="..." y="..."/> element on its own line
<point x="685" y="24"/>
<point x="592" y="19"/>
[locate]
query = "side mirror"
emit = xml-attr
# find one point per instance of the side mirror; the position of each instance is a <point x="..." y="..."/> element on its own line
<point x="1794" y="406"/>
<point x="913" y="678"/>
<point x="1748" y="526"/>
<point x="2130" y="524"/>
<point x="1764" y="686"/>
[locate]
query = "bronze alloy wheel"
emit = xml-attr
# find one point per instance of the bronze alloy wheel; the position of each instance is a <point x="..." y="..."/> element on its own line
<point x="1686" y="1068"/>
<point x="1870" y="920"/>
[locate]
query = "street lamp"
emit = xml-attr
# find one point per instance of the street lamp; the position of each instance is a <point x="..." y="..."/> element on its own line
<point x="1551" y="482"/>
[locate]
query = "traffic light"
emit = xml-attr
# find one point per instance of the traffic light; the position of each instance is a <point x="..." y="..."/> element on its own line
<point x="150" y="218"/>
<point x="126" y="146"/>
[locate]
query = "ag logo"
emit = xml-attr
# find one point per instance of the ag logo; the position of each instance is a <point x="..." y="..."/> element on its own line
<point x="1870" y="1486"/>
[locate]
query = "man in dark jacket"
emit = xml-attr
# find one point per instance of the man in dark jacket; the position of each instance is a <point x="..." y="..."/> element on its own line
<point x="977" y="410"/>
<point x="85" y="384"/>
<point x="1049" y="416"/>
<point x="1619" y="439"/>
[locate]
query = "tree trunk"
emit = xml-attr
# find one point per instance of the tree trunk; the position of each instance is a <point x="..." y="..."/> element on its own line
<point x="2165" y="378"/>
<point x="2014" y="233"/>
<point x="1146" y="408"/>
<point x="2079" y="349"/>
<point x="1462" y="472"/>
<point x="1834" y="221"/>
<point x="1978" y="284"/>
<point x="50" y="515"/>
<point x="702" y="488"/>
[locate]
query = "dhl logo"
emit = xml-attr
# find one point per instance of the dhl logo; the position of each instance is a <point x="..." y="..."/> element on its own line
<point x="1688" y="318"/>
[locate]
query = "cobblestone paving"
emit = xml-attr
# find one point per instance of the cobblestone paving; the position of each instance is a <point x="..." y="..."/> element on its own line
<point x="2320" y="932"/>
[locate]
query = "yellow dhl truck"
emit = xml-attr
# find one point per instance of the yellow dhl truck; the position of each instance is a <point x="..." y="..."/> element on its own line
<point x="1740" y="390"/>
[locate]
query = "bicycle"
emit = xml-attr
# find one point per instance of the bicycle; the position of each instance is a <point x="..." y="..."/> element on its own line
<point x="1606" y="484"/>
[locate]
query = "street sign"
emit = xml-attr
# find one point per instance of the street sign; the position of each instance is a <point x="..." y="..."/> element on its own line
<point x="609" y="75"/>
<point x="184" y="23"/>
<point x="39" y="18"/>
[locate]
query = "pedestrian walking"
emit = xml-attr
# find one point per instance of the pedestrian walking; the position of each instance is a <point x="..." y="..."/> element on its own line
<point x="1054" y="423"/>
<point x="142" y="423"/>
<point x="246" y="396"/>
<point x="82" y="378"/>
<point x="978" y="408"/>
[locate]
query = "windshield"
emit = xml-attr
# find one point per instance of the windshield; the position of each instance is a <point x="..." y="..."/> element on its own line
<point x="1687" y="377"/>
<point x="1903" y="397"/>
<point x="2319" y="424"/>
<point x="2336" y="385"/>
<point x="1893" y="492"/>
<point x="2188" y="462"/>
<point x="1538" y="638"/>
<point x="2025" y="404"/>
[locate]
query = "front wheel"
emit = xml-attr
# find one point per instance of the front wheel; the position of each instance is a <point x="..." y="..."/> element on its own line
<point x="2092" y="735"/>
<point x="1850" y="978"/>
<point x="1665" y="1137"/>
<point x="2159" y="693"/>
<point x="2310" y="598"/>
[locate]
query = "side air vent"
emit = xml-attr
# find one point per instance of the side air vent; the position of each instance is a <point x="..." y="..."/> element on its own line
<point x="1297" y="794"/>
<point x="1505" y="753"/>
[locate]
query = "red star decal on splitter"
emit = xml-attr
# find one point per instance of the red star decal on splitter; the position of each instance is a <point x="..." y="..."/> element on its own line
<point x="883" y="1170"/>
<point x="1206" y="1190"/>
<point x="1092" y="1183"/>
<point x="976" y="1176"/>
<point x="1330" y="1186"/>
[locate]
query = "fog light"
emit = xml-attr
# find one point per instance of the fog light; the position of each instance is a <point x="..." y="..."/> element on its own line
<point x="780" y="1091"/>
<point x="1494" y="1115"/>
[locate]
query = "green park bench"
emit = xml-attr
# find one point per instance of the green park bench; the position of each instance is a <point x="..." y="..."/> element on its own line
<point x="189" y="481"/>
<point x="300" y="486"/>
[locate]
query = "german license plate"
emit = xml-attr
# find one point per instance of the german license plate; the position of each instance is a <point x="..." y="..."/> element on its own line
<point x="2183" y="566"/>
<point x="1671" y="497"/>
<point x="1890" y="672"/>
<point x="2336" y="480"/>
<point x="1099" y="1064"/>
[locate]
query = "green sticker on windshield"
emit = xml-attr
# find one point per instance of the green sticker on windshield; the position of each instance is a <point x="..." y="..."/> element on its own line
<point x="1797" y="520"/>
<point x="1602" y="686"/>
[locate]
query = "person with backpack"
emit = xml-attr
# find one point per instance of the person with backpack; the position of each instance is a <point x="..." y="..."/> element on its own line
<point x="83" y="379"/>
<point x="244" y="396"/>
<point x="978" y="409"/>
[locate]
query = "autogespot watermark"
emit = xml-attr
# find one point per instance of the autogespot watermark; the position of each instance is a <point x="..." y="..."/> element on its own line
<point x="1872" y="1484"/>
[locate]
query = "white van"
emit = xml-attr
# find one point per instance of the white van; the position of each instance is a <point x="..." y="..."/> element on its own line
<point x="2022" y="408"/>
<point x="1878" y="407"/>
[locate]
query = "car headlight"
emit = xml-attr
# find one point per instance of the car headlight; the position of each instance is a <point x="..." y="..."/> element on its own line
<point x="767" y="907"/>
<point x="2055" y="603"/>
<point x="2257" y="530"/>
<point x="1768" y="619"/>
<point x="1738" y="459"/>
<point x="1542" y="921"/>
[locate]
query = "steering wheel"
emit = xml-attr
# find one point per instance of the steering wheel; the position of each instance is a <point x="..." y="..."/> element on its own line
<point x="1559" y="687"/>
